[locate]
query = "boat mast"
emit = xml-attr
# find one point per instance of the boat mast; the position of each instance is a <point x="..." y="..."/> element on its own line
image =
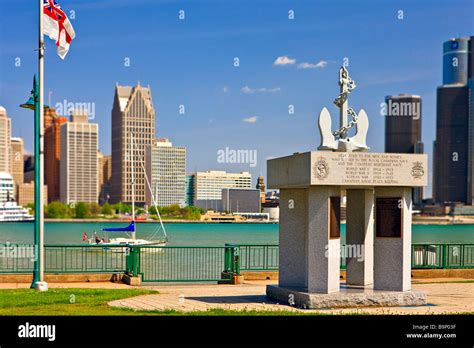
<point x="132" y="183"/>
<point x="153" y="198"/>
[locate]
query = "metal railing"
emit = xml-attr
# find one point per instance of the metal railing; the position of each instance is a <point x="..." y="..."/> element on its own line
<point x="192" y="264"/>
<point x="258" y="257"/>
<point x="19" y="258"/>
<point x="442" y="256"/>
<point x="265" y="257"/>
<point x="182" y="264"/>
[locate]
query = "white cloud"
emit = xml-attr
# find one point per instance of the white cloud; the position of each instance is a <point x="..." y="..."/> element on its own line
<point x="284" y="60"/>
<point x="248" y="90"/>
<point x="251" y="119"/>
<point x="319" y="65"/>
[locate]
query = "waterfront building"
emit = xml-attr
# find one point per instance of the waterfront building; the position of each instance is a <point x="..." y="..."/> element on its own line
<point x="403" y="130"/>
<point x="209" y="204"/>
<point x="261" y="186"/>
<point x="189" y="190"/>
<point x="9" y="209"/>
<point x="18" y="166"/>
<point x="5" y="141"/>
<point x="166" y="170"/>
<point x="26" y="193"/>
<point x="470" y="82"/>
<point x="52" y="152"/>
<point x="453" y="153"/>
<point x="237" y="201"/>
<point x="208" y="185"/>
<point x="78" y="162"/>
<point x="100" y="173"/>
<point x="7" y="187"/>
<point x="105" y="188"/>
<point x="132" y="113"/>
<point x="29" y="168"/>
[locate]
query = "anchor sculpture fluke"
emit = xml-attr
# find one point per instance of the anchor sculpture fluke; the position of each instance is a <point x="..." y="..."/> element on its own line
<point x="338" y="140"/>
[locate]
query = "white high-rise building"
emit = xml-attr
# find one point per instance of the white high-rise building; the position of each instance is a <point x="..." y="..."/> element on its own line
<point x="5" y="141"/>
<point x="7" y="187"/>
<point x="208" y="185"/>
<point x="78" y="161"/>
<point x="166" y="170"/>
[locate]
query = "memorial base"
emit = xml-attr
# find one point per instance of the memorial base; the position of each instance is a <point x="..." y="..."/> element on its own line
<point x="348" y="297"/>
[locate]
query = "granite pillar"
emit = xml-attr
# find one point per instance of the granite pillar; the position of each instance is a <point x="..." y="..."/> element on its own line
<point x="392" y="247"/>
<point x="360" y="237"/>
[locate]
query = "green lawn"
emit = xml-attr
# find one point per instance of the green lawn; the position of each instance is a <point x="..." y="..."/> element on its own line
<point x="65" y="301"/>
<point x="92" y="302"/>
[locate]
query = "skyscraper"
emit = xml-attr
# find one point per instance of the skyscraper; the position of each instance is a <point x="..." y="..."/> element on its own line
<point x="166" y="170"/>
<point x="52" y="151"/>
<point x="78" y="163"/>
<point x="5" y="141"/>
<point x="470" y="82"/>
<point x="17" y="160"/>
<point x="403" y="129"/>
<point x="189" y="190"/>
<point x="452" y="150"/>
<point x="132" y="113"/>
<point x="100" y="173"/>
<point x="106" y="175"/>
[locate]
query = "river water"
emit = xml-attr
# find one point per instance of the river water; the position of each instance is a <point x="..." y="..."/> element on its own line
<point x="202" y="234"/>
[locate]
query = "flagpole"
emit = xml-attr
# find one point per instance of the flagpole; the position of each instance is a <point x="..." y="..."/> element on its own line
<point x="39" y="180"/>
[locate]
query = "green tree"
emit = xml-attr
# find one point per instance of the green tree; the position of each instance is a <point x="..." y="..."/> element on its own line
<point x="82" y="210"/>
<point x="122" y="208"/>
<point x="57" y="210"/>
<point x="152" y="210"/>
<point x="94" y="209"/>
<point x="107" y="209"/>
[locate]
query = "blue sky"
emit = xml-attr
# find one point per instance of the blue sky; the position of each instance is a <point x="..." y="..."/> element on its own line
<point x="190" y="62"/>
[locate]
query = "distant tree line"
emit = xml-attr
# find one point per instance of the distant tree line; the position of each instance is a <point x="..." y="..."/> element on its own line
<point x="81" y="210"/>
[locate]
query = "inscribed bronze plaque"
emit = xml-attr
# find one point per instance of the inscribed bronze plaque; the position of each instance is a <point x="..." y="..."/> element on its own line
<point x="334" y="217"/>
<point x="388" y="217"/>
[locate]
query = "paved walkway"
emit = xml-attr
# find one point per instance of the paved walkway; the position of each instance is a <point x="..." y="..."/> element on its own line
<point x="443" y="298"/>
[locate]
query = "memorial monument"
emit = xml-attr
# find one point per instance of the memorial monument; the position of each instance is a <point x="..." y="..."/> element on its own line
<point x="378" y="218"/>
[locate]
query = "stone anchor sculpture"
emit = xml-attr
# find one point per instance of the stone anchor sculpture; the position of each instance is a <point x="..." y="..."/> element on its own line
<point x="338" y="140"/>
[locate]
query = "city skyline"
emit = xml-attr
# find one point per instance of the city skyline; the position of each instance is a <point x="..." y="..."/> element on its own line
<point x="245" y="107"/>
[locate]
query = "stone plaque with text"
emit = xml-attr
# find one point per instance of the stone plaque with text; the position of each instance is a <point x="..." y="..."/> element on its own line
<point x="354" y="169"/>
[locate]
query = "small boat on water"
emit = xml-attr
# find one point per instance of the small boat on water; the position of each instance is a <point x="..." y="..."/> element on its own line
<point x="11" y="211"/>
<point x="130" y="230"/>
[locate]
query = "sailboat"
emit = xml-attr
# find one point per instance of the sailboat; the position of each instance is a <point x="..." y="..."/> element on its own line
<point x="130" y="230"/>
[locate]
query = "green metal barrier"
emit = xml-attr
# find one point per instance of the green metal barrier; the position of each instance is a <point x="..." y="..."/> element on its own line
<point x="66" y="259"/>
<point x="265" y="257"/>
<point x="258" y="257"/>
<point x="442" y="256"/>
<point x="232" y="259"/>
<point x="188" y="264"/>
<point x="184" y="264"/>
